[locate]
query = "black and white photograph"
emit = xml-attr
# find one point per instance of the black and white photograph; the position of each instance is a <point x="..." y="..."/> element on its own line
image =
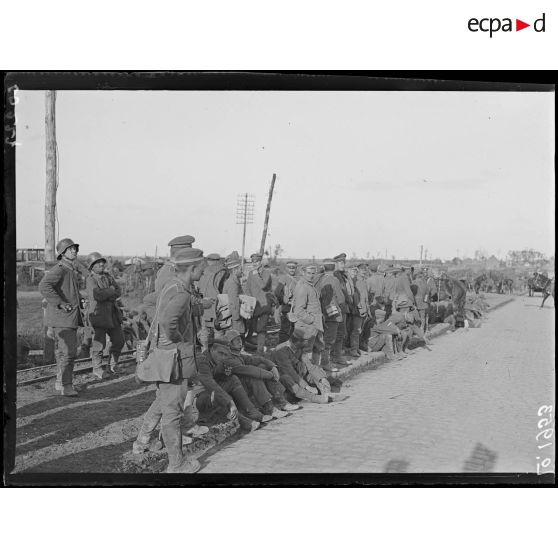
<point x="236" y="274"/>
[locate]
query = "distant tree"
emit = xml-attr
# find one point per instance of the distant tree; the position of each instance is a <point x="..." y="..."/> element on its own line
<point x="456" y="261"/>
<point x="526" y="257"/>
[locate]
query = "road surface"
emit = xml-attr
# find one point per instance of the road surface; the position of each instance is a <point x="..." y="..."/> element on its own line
<point x="470" y="405"/>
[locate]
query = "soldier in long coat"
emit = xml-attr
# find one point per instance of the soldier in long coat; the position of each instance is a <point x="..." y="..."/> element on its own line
<point x="233" y="289"/>
<point x="258" y="285"/>
<point x="284" y="294"/>
<point x="60" y="288"/>
<point x="308" y="311"/>
<point x="105" y="316"/>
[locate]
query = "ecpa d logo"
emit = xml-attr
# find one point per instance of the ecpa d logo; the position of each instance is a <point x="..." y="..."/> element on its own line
<point x="492" y="25"/>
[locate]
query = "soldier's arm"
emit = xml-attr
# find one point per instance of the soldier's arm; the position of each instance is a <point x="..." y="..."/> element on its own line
<point x="48" y="286"/>
<point x="205" y="376"/>
<point x="100" y="295"/>
<point x="252" y="372"/>
<point x="326" y="294"/>
<point x="259" y="361"/>
<point x="285" y="366"/>
<point x="171" y="314"/>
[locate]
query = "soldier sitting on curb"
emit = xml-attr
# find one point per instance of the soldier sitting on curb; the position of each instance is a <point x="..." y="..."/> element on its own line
<point x="260" y="378"/>
<point x="301" y="377"/>
<point x="382" y="336"/>
<point x="224" y="390"/>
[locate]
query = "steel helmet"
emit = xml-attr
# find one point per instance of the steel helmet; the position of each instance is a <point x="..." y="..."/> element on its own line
<point x="93" y="258"/>
<point x="63" y="245"/>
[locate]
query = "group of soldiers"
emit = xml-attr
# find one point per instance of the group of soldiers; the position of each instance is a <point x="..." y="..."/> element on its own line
<point x="206" y="327"/>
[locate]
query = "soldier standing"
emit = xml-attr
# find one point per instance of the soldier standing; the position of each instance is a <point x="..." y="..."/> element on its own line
<point x="60" y="287"/>
<point x="258" y="285"/>
<point x="284" y="293"/>
<point x="331" y="297"/>
<point x="105" y="316"/>
<point x="208" y="287"/>
<point x="175" y="328"/>
<point x="345" y="304"/>
<point x="233" y="289"/>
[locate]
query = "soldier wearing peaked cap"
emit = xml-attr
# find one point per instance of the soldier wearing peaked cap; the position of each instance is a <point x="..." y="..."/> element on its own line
<point x="105" y="316"/>
<point x="60" y="288"/>
<point x="348" y="288"/>
<point x="174" y="329"/>
<point x="233" y="289"/>
<point x="284" y="294"/>
<point x="176" y="244"/>
<point x="258" y="285"/>
<point x="210" y="286"/>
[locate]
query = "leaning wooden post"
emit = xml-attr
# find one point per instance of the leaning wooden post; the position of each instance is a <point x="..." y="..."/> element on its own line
<point x="262" y="245"/>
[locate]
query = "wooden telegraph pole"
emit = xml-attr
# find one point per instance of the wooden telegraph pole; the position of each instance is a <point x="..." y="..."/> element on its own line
<point x="51" y="174"/>
<point x="262" y="245"/>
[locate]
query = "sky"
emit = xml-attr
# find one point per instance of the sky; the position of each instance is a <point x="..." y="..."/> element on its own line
<point x="365" y="173"/>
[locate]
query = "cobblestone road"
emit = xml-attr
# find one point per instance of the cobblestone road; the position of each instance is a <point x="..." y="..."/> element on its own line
<point x="469" y="405"/>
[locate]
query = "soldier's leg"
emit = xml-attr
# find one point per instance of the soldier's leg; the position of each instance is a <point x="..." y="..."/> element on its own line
<point x="330" y="334"/>
<point x="389" y="308"/>
<point x="261" y="324"/>
<point x="339" y="340"/>
<point x="66" y="349"/>
<point x="285" y="329"/>
<point x="172" y="397"/>
<point x="97" y="348"/>
<point x="116" y="336"/>
<point x="150" y="422"/>
<point x="365" y="335"/>
<point x="355" y="335"/>
<point x="234" y="388"/>
<point x="317" y="348"/>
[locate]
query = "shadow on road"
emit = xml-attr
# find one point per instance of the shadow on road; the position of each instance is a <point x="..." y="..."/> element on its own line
<point x="105" y="459"/>
<point x="74" y="422"/>
<point x="396" y="466"/>
<point x="88" y="391"/>
<point x="481" y="460"/>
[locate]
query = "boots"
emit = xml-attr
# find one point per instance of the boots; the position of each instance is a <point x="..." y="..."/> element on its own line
<point x="178" y="463"/>
<point x="68" y="391"/>
<point x="307" y="396"/>
<point x="326" y="365"/>
<point x="115" y="368"/>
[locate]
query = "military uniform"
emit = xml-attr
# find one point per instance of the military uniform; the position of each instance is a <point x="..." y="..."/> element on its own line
<point x="60" y="288"/>
<point x="331" y="296"/>
<point x="348" y="290"/>
<point x="208" y="286"/>
<point x="258" y="285"/>
<point x="174" y="328"/>
<point x="222" y="387"/>
<point x="297" y="374"/>
<point x="233" y="289"/>
<point x="284" y="294"/>
<point x="105" y="317"/>
<point x="308" y="313"/>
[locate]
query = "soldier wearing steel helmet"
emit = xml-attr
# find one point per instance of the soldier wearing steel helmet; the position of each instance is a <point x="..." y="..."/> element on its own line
<point x="60" y="288"/>
<point x="105" y="316"/>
